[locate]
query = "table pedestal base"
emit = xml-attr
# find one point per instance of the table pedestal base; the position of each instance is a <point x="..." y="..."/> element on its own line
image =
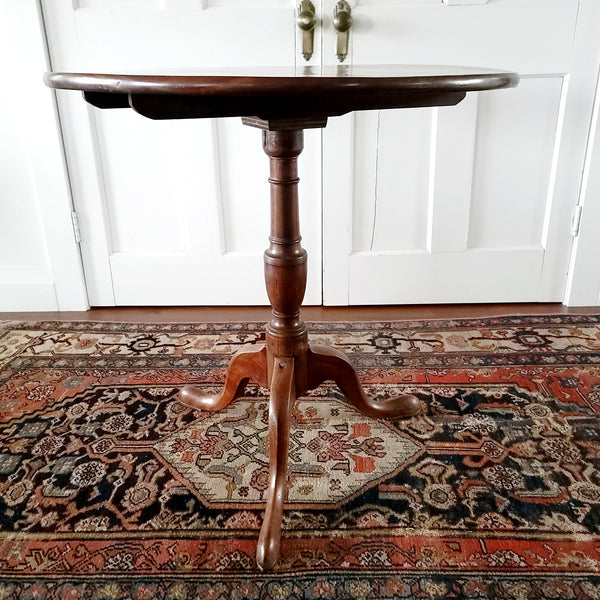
<point x="286" y="364"/>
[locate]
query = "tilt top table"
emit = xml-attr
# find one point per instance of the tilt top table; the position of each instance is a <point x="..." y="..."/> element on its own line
<point x="283" y="102"/>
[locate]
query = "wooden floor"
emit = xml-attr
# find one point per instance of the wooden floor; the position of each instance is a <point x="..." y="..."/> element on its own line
<point x="310" y="313"/>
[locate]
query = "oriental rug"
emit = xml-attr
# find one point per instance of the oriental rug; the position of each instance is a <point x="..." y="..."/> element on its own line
<point x="111" y="489"/>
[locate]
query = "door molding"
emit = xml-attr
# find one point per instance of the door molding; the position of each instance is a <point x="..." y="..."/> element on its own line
<point x="583" y="285"/>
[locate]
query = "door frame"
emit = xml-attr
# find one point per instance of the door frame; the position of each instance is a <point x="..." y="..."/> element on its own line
<point x="59" y="284"/>
<point x="583" y="283"/>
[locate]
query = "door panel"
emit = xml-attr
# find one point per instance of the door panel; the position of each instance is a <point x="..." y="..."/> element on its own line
<point x="377" y="211"/>
<point x="468" y="203"/>
<point x="175" y="212"/>
<point x="513" y="165"/>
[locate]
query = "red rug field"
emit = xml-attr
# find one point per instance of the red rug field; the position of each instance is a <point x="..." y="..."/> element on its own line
<point x="111" y="489"/>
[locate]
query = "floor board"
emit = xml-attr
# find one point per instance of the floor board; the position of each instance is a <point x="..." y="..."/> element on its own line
<point x="310" y="313"/>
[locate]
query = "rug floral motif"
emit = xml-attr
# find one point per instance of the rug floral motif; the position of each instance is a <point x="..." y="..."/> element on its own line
<point x="112" y="489"/>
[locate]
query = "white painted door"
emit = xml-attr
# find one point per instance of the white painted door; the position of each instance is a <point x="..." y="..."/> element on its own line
<point x="469" y="203"/>
<point x="175" y="212"/>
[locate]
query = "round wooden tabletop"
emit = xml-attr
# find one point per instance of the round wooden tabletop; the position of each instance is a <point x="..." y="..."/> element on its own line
<point x="282" y="92"/>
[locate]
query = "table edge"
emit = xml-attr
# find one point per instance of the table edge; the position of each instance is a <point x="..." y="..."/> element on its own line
<point x="212" y="85"/>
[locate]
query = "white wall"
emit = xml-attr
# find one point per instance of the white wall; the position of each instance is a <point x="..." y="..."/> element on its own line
<point x="40" y="267"/>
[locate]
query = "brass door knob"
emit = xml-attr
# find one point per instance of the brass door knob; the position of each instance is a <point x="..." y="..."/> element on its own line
<point x="306" y="21"/>
<point x="342" y="21"/>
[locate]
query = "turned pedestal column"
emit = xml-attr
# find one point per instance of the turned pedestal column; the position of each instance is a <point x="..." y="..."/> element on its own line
<point x="286" y="364"/>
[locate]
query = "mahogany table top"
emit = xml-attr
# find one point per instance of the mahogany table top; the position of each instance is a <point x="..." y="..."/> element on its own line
<point x="281" y="92"/>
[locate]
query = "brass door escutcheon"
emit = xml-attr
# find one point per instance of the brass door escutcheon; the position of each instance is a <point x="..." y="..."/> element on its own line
<point x="342" y="21"/>
<point x="306" y="21"/>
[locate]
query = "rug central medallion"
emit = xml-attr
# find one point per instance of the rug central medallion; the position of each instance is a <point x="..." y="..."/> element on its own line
<point x="334" y="453"/>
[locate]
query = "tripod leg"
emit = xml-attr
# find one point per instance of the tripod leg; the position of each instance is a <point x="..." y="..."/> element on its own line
<point x="281" y="404"/>
<point x="245" y="365"/>
<point x="328" y="363"/>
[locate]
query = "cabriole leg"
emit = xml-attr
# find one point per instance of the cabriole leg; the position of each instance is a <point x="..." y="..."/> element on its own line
<point x="281" y="404"/>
